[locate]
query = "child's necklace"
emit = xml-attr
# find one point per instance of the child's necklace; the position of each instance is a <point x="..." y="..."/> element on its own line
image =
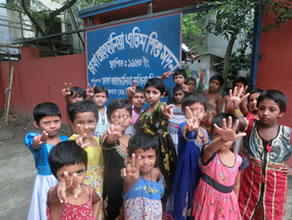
<point x="148" y="189"/>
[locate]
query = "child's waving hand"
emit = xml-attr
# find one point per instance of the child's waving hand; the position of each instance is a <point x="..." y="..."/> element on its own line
<point x="90" y="91"/>
<point x="235" y="98"/>
<point x="193" y="121"/>
<point x="83" y="140"/>
<point x="167" y="74"/>
<point x="39" y="140"/>
<point x="132" y="171"/>
<point x="132" y="90"/>
<point x="66" y="90"/>
<point x="227" y="132"/>
<point x="167" y="110"/>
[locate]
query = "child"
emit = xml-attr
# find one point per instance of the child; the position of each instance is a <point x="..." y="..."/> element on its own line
<point x="217" y="192"/>
<point x="72" y="95"/>
<point x="263" y="189"/>
<point x="178" y="115"/>
<point x="214" y="100"/>
<point x="115" y="150"/>
<point x="84" y="116"/>
<point x="252" y="104"/>
<point x="137" y="97"/>
<point x="191" y="138"/>
<point x="99" y="98"/>
<point x="70" y="198"/>
<point x="154" y="121"/>
<point x="143" y="183"/>
<point x="47" y="118"/>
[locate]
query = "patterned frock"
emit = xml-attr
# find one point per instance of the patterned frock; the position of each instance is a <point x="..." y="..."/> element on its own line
<point x="95" y="169"/>
<point x="143" y="201"/>
<point x="156" y="124"/>
<point x="214" y="197"/>
<point x="76" y="212"/>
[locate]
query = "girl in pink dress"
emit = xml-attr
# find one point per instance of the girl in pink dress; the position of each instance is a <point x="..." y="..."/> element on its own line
<point x="216" y="194"/>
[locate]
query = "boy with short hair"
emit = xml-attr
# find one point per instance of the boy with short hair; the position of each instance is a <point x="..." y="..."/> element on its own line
<point x="47" y="118"/>
<point x="214" y="100"/>
<point x="99" y="98"/>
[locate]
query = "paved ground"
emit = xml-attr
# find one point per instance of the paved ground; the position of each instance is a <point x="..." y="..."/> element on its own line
<point x="17" y="172"/>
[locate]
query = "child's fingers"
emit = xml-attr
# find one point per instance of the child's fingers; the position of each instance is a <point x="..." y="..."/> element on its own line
<point x="189" y="113"/>
<point x="244" y="97"/>
<point x="240" y="134"/>
<point x="224" y="123"/>
<point x="235" y="125"/>
<point x="218" y="129"/>
<point x="44" y="136"/>
<point x="229" y="122"/>
<point x="61" y="192"/>
<point x="133" y="160"/>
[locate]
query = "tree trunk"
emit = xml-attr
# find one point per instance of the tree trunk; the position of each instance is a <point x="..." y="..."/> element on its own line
<point x="227" y="60"/>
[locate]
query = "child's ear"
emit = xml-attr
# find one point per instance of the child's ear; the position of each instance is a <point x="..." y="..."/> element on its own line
<point x="163" y="94"/>
<point x="281" y="114"/>
<point x="35" y="123"/>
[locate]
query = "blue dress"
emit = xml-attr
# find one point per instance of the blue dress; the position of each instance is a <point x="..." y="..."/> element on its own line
<point x="143" y="201"/>
<point x="187" y="173"/>
<point x="44" y="179"/>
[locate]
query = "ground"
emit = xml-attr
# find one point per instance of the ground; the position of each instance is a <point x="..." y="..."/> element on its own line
<point x="18" y="172"/>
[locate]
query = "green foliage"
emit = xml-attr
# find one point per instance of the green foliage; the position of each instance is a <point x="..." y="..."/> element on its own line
<point x="192" y="31"/>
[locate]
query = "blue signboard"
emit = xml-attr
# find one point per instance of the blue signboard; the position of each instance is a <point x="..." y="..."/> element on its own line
<point x="136" y="51"/>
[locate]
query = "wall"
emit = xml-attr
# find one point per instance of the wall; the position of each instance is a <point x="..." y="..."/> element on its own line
<point x="41" y="79"/>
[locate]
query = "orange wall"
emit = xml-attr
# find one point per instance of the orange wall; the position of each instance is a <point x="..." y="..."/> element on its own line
<point x="275" y="66"/>
<point x="41" y="79"/>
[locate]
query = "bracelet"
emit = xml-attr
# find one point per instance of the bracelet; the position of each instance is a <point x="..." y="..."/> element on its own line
<point x="239" y="113"/>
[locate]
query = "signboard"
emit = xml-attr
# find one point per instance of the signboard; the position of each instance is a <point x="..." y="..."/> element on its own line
<point x="135" y="51"/>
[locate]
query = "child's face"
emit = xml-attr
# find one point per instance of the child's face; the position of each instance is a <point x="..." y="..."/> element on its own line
<point x="85" y="122"/>
<point x="100" y="99"/>
<point x="75" y="98"/>
<point x="178" y="96"/>
<point x="50" y="124"/>
<point x="268" y="112"/>
<point x="147" y="159"/>
<point x="121" y="117"/>
<point x="214" y="85"/>
<point x="138" y="100"/>
<point x="252" y="102"/>
<point x="239" y="85"/>
<point x="78" y="169"/>
<point x="191" y="85"/>
<point x="198" y="110"/>
<point x="153" y="95"/>
<point x="179" y="79"/>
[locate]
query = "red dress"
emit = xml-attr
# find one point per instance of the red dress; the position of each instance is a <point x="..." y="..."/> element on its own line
<point x="76" y="212"/>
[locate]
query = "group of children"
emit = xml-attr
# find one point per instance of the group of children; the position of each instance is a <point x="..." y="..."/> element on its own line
<point x="164" y="162"/>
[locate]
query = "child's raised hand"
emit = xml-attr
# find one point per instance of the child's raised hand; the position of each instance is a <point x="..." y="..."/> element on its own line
<point x="90" y="91"/>
<point x="83" y="140"/>
<point x="193" y="121"/>
<point x="66" y="90"/>
<point x="132" y="90"/>
<point x="227" y="132"/>
<point x="167" y="110"/>
<point x="166" y="75"/>
<point x="114" y="132"/>
<point x="132" y="171"/>
<point x="39" y="140"/>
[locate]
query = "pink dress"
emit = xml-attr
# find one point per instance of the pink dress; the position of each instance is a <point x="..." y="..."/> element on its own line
<point x="76" y="212"/>
<point x="214" y="197"/>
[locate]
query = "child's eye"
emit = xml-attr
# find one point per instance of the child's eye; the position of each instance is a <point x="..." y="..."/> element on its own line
<point x="79" y="172"/>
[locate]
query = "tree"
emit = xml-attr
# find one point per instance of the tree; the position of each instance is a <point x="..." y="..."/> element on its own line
<point x="44" y="19"/>
<point x="234" y="18"/>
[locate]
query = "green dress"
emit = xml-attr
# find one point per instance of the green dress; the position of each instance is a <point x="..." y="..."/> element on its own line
<point x="156" y="124"/>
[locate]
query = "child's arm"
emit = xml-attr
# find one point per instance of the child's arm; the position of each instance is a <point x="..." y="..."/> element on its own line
<point x="201" y="84"/>
<point x="236" y="186"/>
<point x="227" y="135"/>
<point x="219" y="104"/>
<point x="166" y="75"/>
<point x="131" y="173"/>
<point x="131" y="91"/>
<point x="96" y="204"/>
<point x="39" y="140"/>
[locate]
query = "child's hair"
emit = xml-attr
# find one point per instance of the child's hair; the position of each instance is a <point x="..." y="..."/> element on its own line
<point x="78" y="90"/>
<point x="156" y="83"/>
<point x="191" y="79"/>
<point x="192" y="98"/>
<point x="256" y="90"/>
<point x="45" y="109"/>
<point x="240" y="80"/>
<point x="218" y="120"/>
<point x="176" y="88"/>
<point x="143" y="141"/>
<point x="180" y="72"/>
<point x="276" y="96"/>
<point x="118" y="104"/>
<point x="217" y="77"/>
<point x="82" y="106"/>
<point x="139" y="90"/>
<point x="66" y="153"/>
<point x="99" y="89"/>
